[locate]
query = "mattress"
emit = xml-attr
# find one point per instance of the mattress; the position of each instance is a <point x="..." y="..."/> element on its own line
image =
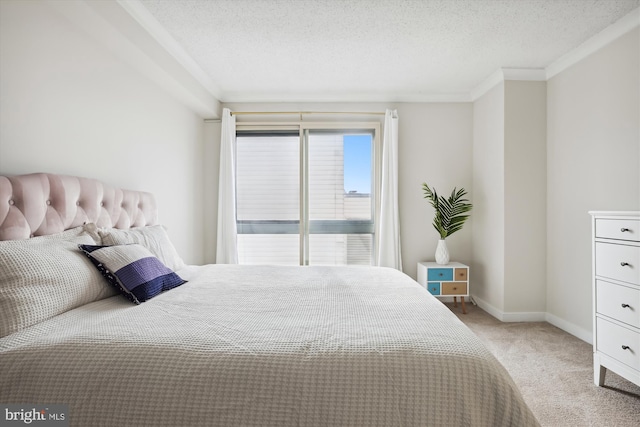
<point x="265" y="346"/>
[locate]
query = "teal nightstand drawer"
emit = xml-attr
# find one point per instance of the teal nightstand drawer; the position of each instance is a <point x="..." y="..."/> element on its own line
<point x="434" y="288"/>
<point x="439" y="274"/>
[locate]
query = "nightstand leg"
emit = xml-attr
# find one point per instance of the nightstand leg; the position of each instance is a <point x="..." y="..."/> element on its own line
<point x="455" y="301"/>
<point x="464" y="309"/>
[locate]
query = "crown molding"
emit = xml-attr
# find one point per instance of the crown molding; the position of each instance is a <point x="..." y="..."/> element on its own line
<point x="140" y="13"/>
<point x="614" y="31"/>
<point x="487" y="84"/>
<point x="112" y="26"/>
<point x="525" y="74"/>
<point x="340" y="97"/>
<point x="504" y="74"/>
<point x="627" y="23"/>
<point x="144" y="18"/>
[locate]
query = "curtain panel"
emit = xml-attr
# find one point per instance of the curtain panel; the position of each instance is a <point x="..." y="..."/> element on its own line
<point x="227" y="245"/>
<point x="388" y="253"/>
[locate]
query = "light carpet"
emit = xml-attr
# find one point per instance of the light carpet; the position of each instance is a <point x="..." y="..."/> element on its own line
<point x="554" y="371"/>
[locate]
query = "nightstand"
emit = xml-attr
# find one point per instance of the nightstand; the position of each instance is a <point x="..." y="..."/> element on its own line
<point x="449" y="280"/>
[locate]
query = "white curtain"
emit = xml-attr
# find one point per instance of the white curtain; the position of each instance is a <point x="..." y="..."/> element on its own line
<point x="389" y="225"/>
<point x="227" y="249"/>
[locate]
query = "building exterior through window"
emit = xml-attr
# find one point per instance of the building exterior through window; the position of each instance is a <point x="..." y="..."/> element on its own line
<point x="306" y="197"/>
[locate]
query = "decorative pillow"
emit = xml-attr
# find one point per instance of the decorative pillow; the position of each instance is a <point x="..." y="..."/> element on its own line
<point x="42" y="277"/>
<point x="154" y="238"/>
<point x="133" y="270"/>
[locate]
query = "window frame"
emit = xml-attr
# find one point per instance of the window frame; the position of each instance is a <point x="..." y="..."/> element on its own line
<point x="304" y="226"/>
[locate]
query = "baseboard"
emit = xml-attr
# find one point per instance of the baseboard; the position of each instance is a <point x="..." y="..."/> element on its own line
<point x="498" y="314"/>
<point x="571" y="328"/>
<point x="524" y="316"/>
<point x="502" y="316"/>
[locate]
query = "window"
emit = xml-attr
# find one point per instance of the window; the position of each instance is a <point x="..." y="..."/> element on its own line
<point x="268" y="198"/>
<point x="306" y="195"/>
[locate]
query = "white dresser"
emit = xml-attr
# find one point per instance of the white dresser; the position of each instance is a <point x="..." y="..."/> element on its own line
<point x="616" y="294"/>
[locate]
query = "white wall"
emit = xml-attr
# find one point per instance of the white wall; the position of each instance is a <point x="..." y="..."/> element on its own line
<point x="69" y="105"/>
<point x="593" y="163"/>
<point x="525" y="193"/>
<point x="434" y="146"/>
<point x="509" y="181"/>
<point x="212" y="134"/>
<point x="489" y="199"/>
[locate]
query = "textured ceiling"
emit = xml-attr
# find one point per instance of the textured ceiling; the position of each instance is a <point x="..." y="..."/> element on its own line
<point x="373" y="50"/>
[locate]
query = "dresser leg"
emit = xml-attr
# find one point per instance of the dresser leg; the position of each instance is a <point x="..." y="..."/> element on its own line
<point x="599" y="373"/>
<point x="464" y="309"/>
<point x="455" y="301"/>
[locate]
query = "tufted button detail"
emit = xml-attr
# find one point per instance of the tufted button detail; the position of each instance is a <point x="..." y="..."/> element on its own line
<point x="32" y="235"/>
<point x="11" y="202"/>
<point x="78" y="203"/>
<point x="101" y="204"/>
<point x="48" y="202"/>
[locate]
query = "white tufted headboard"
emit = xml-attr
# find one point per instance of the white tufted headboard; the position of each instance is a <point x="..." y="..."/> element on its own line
<point x="41" y="203"/>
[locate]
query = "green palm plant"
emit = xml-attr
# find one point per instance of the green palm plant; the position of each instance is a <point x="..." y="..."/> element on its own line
<point x="450" y="213"/>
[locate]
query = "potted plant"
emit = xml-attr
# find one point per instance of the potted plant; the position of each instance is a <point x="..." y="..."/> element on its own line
<point x="450" y="215"/>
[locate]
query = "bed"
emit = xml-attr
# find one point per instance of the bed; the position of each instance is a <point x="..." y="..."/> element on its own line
<point x="230" y="345"/>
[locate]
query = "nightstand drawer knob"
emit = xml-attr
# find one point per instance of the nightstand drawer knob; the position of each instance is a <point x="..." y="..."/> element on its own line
<point x="625" y="306"/>
<point x="624" y="264"/>
<point x="625" y="347"/>
<point x="624" y="229"/>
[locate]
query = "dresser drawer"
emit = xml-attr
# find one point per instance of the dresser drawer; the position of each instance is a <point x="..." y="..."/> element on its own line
<point x="616" y="261"/>
<point x="434" y="288"/>
<point x="439" y="274"/>
<point x="618" y="302"/>
<point x="620" y="343"/>
<point x="461" y="274"/>
<point x="620" y="229"/>
<point x="454" y="288"/>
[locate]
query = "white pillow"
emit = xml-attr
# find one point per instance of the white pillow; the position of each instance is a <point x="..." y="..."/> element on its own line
<point x="44" y="276"/>
<point x="154" y="238"/>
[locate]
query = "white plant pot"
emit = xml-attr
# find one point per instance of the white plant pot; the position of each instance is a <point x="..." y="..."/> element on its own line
<point x="442" y="253"/>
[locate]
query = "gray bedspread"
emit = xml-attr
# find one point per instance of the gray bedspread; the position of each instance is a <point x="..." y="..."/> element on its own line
<point x="265" y="346"/>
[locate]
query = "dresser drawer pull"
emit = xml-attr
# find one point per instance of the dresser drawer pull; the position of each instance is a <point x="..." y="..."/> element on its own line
<point x="624" y="264"/>
<point x="624" y="229"/>
<point x="625" y="347"/>
<point x="625" y="306"/>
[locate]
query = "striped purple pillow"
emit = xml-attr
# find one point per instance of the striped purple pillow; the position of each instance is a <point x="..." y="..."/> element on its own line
<point x="133" y="270"/>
